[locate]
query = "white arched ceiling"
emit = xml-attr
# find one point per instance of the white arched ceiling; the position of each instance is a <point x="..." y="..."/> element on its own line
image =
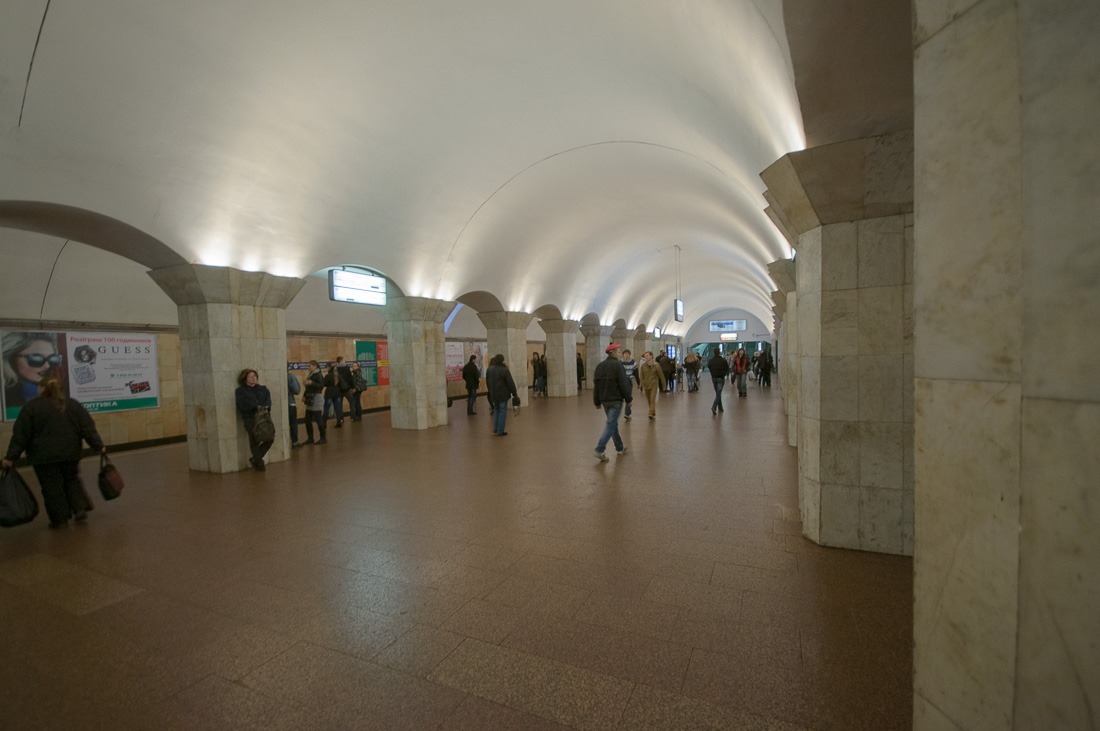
<point x="545" y="153"/>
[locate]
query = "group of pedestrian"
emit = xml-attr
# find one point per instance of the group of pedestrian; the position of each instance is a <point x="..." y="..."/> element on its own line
<point x="538" y="374"/>
<point x="323" y="394"/>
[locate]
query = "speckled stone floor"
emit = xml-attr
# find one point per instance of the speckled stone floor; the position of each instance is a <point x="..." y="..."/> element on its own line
<point x="456" y="580"/>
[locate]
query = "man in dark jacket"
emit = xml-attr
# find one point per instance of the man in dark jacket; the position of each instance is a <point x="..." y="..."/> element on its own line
<point x="611" y="387"/>
<point x="719" y="369"/>
<point x="499" y="381"/>
<point x="472" y="376"/>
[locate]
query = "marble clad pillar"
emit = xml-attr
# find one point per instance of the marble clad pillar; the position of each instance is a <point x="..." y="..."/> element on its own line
<point x="851" y="205"/>
<point x="418" y="386"/>
<point x="786" y="299"/>
<point x="228" y="320"/>
<point x="561" y="356"/>
<point x="1007" y="424"/>
<point x="596" y="340"/>
<point x="507" y="335"/>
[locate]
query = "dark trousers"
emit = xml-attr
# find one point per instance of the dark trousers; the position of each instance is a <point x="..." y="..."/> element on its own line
<point x="315" y="417"/>
<point x="337" y="406"/>
<point x="471" y="399"/>
<point x="258" y="449"/>
<point x="292" y="414"/>
<point x="355" y="404"/>
<point x="62" y="491"/>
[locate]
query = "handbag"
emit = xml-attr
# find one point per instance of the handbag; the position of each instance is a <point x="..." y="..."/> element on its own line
<point x="110" y="479"/>
<point x="263" y="428"/>
<point x="17" y="503"/>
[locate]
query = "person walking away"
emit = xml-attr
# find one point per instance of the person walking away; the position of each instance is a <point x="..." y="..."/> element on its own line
<point x="499" y="381"/>
<point x="472" y="375"/>
<point x="250" y="397"/>
<point x="315" y="402"/>
<point x="346" y="381"/>
<point x="691" y="370"/>
<point x="50" y="428"/>
<point x="611" y="388"/>
<point x="580" y="371"/>
<point x="334" y="396"/>
<point x="766" y="365"/>
<point x="668" y="367"/>
<point x="631" y="367"/>
<point x="536" y="375"/>
<point x="545" y="376"/>
<point x="358" y="388"/>
<point x="293" y="389"/>
<point x="719" y="369"/>
<point x="653" y="379"/>
<point x="741" y="365"/>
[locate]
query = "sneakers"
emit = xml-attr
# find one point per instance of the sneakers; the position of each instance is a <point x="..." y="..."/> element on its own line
<point x="602" y="457"/>
<point x="623" y="451"/>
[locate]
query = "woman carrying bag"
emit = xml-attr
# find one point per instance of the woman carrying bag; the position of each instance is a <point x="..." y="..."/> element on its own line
<point x="251" y="398"/>
<point x="50" y="429"/>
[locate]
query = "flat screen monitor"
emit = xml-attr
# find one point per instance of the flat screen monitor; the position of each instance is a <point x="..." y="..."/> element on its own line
<point x="357" y="287"/>
<point x="656" y="332"/>
<point x="678" y="309"/>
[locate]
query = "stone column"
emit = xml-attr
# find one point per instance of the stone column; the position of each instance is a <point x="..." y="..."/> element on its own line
<point x="507" y="334"/>
<point x="561" y="356"/>
<point x="783" y="273"/>
<point x="418" y="386"/>
<point x="229" y="320"/>
<point x="851" y="205"/>
<point x="1007" y="581"/>
<point x="624" y="338"/>
<point x="596" y="340"/>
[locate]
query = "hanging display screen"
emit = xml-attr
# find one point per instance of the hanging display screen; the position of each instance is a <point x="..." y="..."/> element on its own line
<point x="356" y="287"/>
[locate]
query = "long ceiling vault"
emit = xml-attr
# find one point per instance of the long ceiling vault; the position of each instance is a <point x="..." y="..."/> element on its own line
<point x="547" y="153"/>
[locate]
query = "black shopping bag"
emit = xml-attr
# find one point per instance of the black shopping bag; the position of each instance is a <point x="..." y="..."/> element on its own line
<point x="110" y="479"/>
<point x="17" y="503"/>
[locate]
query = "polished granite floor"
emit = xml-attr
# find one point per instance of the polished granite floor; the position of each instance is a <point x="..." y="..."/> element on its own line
<point x="456" y="580"/>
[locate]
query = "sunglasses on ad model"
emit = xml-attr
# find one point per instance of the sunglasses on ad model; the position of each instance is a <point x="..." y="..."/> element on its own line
<point x="34" y="360"/>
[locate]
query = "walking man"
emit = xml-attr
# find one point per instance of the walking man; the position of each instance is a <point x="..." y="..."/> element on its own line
<point x="631" y="367"/>
<point x="653" y="379"/>
<point x="611" y="389"/>
<point x="719" y="369"/>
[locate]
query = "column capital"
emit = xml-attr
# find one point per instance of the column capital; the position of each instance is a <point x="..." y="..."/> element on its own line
<point x="596" y="331"/>
<point x="405" y="309"/>
<point x="621" y="334"/>
<point x="782" y="272"/>
<point x="870" y="177"/>
<point x="199" y="284"/>
<point x="559" y="326"/>
<point x="502" y="319"/>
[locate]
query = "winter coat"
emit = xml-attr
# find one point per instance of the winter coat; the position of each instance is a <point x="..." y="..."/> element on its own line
<point x="49" y="434"/>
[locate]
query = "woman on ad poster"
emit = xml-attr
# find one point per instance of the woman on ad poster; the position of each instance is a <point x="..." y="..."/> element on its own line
<point x="29" y="358"/>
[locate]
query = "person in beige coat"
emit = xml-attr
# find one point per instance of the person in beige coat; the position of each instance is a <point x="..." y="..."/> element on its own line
<point x="652" y="378"/>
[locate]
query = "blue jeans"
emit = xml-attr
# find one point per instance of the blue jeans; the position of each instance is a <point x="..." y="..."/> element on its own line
<point x="611" y="429"/>
<point x="337" y="405"/>
<point x="471" y="398"/>
<point x="500" y="416"/>
<point x="719" y="384"/>
<point x="739" y="379"/>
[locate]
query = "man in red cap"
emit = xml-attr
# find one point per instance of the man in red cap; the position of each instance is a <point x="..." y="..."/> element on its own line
<point x="611" y="389"/>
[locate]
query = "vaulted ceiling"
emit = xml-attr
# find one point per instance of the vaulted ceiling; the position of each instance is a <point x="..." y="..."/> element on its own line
<point x="601" y="156"/>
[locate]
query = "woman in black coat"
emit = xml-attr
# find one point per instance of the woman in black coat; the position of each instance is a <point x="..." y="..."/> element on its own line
<point x="50" y="429"/>
<point x="250" y="397"/>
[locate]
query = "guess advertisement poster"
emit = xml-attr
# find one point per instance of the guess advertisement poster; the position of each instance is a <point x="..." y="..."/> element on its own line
<point x="103" y="371"/>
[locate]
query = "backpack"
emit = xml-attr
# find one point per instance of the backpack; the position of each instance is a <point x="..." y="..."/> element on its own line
<point x="263" y="428"/>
